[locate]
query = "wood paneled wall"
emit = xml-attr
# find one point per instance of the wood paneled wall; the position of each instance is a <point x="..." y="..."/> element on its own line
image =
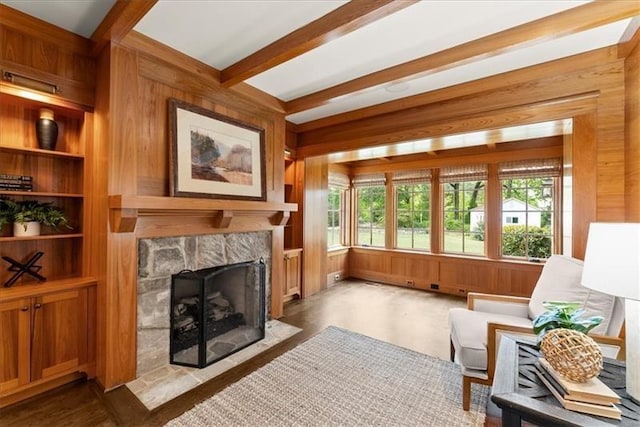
<point x="447" y="274"/>
<point x="137" y="77"/>
<point x="632" y="134"/>
<point x="337" y="265"/>
<point x="35" y="49"/>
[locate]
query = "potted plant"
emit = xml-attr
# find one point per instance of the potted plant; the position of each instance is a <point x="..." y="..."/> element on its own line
<point x="567" y="315"/>
<point x="28" y="215"/>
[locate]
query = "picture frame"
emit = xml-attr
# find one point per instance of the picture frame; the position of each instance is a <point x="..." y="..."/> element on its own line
<point x="214" y="156"/>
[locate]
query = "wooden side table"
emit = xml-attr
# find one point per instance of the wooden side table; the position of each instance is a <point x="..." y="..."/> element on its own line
<point x="521" y="395"/>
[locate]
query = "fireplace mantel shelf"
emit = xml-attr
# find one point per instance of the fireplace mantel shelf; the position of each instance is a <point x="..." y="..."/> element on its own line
<point x="125" y="210"/>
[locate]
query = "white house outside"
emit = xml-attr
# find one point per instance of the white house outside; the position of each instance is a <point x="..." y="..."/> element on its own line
<point x="514" y="212"/>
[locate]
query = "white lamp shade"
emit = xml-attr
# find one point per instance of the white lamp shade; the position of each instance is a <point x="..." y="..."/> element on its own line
<point x="612" y="259"/>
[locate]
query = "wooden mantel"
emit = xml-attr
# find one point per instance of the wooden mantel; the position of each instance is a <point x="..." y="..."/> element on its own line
<point x="124" y="210"/>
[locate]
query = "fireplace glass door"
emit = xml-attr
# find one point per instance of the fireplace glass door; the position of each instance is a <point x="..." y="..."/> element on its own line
<point x="216" y="312"/>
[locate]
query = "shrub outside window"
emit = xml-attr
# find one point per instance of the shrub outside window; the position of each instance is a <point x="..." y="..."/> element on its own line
<point x="528" y="207"/>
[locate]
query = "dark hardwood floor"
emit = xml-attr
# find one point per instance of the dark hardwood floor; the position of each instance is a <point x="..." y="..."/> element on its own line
<point x="406" y="317"/>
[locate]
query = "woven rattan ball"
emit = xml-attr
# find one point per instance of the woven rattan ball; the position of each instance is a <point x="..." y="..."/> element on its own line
<point x="572" y="354"/>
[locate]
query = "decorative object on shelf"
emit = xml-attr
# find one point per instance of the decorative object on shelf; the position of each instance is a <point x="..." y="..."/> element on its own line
<point x="16" y="182"/>
<point x="28" y="267"/>
<point x="612" y="266"/>
<point x="24" y="213"/>
<point x="46" y="130"/>
<point x="215" y="156"/>
<point x="572" y="354"/>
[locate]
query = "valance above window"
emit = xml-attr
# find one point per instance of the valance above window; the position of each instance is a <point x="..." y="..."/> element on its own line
<point x="536" y="168"/>
<point x="463" y="173"/>
<point x="369" y="180"/>
<point x="339" y="180"/>
<point x="416" y="176"/>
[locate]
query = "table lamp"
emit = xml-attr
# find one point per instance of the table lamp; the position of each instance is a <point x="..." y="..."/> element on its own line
<point x="612" y="266"/>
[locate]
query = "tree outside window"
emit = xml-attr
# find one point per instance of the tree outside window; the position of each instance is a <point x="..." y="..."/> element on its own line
<point x="334" y="219"/>
<point x="371" y="215"/>
<point x="412" y="216"/>
<point x="460" y="198"/>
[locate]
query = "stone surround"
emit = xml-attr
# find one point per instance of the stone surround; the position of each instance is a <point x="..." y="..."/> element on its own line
<point x="159" y="258"/>
<point x="167" y="382"/>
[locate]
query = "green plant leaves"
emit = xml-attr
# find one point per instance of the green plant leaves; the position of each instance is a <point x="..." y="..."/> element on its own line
<point x="563" y="314"/>
<point x="31" y="210"/>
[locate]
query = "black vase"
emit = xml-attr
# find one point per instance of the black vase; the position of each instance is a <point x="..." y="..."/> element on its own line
<point x="46" y="130"/>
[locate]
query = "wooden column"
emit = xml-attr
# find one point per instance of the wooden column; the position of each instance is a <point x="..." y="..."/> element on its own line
<point x="314" y="271"/>
<point x="585" y="180"/>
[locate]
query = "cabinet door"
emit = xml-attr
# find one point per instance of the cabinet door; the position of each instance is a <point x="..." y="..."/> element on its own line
<point x="59" y="340"/>
<point x="15" y="333"/>
<point x="292" y="274"/>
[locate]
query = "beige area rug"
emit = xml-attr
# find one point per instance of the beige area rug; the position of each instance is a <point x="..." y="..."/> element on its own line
<point x="340" y="377"/>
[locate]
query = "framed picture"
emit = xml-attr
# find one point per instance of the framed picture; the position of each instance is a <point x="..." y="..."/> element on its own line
<point x="214" y="156"/>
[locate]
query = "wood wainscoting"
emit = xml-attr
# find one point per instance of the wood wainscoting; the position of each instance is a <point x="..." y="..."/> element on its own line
<point x="337" y="265"/>
<point x="444" y="273"/>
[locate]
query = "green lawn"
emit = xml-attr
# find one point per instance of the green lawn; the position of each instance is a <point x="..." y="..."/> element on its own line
<point x="452" y="242"/>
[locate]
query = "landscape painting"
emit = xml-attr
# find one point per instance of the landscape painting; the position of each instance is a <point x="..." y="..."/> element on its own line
<point x="214" y="155"/>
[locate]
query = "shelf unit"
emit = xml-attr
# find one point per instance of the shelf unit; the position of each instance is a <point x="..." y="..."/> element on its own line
<point x="58" y="178"/>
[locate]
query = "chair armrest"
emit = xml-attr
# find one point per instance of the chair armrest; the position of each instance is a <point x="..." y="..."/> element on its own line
<point x="494" y="333"/>
<point x="499" y="304"/>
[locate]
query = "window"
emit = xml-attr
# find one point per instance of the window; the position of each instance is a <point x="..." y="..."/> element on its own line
<point x="338" y="185"/>
<point x="371" y="200"/>
<point x="463" y="208"/>
<point x="412" y="190"/>
<point x="528" y="207"/>
<point x="334" y="220"/>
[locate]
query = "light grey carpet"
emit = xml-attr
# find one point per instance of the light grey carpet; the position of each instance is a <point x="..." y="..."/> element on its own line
<point x="343" y="378"/>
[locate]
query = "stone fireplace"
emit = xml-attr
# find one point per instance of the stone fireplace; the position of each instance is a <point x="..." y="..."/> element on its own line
<point x="160" y="258"/>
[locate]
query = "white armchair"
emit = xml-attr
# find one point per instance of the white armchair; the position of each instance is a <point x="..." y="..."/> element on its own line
<point x="475" y="330"/>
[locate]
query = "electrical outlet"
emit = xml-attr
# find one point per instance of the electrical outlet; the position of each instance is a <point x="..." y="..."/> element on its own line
<point x="435" y="286"/>
<point x="410" y="283"/>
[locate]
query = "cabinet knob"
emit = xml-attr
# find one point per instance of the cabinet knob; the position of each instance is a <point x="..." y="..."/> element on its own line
<point x="37" y="305"/>
<point x="25" y="308"/>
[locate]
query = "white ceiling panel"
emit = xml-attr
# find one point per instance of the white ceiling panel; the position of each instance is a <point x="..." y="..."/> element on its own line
<point x="80" y="17"/>
<point x="424" y="28"/>
<point x="220" y="33"/>
<point x="543" y="52"/>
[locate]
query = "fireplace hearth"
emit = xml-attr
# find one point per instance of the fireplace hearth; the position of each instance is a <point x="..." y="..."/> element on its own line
<point x="216" y="312"/>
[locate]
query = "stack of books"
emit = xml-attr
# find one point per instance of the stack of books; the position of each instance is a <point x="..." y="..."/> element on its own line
<point x="16" y="183"/>
<point x="592" y="397"/>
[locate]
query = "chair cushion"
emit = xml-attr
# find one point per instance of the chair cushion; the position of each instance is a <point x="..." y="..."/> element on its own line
<point x="469" y="334"/>
<point x="560" y="280"/>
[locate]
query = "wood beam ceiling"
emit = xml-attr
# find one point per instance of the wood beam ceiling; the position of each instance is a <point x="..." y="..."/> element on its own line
<point x="341" y="21"/>
<point x="121" y="19"/>
<point x="565" y="23"/>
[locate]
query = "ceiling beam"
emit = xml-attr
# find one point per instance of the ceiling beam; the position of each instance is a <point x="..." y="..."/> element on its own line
<point x="581" y="18"/>
<point x="121" y="19"/>
<point x="341" y="21"/>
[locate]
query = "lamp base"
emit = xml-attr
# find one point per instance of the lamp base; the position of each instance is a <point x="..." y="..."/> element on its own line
<point x="632" y="330"/>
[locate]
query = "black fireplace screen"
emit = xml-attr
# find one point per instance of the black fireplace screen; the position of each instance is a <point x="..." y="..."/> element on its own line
<point x="216" y="312"/>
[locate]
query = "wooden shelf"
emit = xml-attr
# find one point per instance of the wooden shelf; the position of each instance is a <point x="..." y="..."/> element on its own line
<point x="41" y="237"/>
<point x="39" y="152"/>
<point x="39" y="194"/>
<point x="26" y="290"/>
<point x="125" y="210"/>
